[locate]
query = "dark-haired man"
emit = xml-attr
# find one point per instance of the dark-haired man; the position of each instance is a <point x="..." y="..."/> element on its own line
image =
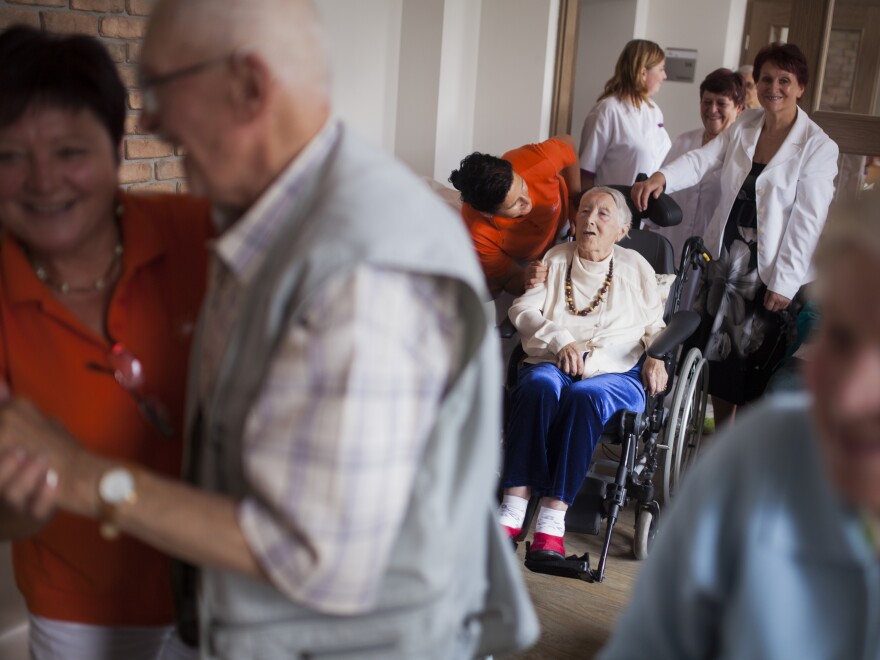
<point x="516" y="206"/>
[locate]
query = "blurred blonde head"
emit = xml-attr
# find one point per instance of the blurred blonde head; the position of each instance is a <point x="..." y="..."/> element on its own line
<point x="628" y="82"/>
<point x="851" y="224"/>
<point x="843" y="371"/>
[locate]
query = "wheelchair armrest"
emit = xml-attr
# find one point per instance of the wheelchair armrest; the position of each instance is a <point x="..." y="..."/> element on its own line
<point x="506" y="329"/>
<point x="680" y="327"/>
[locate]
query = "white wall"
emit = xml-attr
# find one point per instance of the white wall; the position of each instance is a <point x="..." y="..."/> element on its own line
<point x="515" y="42"/>
<point x="707" y="26"/>
<point x="457" y="100"/>
<point x="365" y="42"/>
<point x="418" y="86"/>
<point x="604" y="27"/>
<point x="433" y="80"/>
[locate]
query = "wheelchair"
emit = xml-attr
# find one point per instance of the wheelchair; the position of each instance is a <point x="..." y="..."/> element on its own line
<point x="656" y="444"/>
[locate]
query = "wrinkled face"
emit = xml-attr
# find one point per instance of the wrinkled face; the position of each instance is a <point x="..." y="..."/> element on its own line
<point x="778" y="90"/>
<point x="844" y="376"/>
<point x="57" y="179"/>
<point x="517" y="203"/>
<point x="718" y="112"/>
<point x="653" y="78"/>
<point x="597" y="225"/>
<point x="192" y="110"/>
<point x="751" y="91"/>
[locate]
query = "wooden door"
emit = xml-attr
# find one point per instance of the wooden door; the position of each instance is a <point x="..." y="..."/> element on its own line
<point x="852" y="61"/>
<point x="767" y="21"/>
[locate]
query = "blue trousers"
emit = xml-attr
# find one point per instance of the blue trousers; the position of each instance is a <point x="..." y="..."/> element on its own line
<point x="555" y="422"/>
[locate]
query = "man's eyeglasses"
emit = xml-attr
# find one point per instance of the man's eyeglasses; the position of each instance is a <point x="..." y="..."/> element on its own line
<point x="149" y="84"/>
<point x="129" y="372"/>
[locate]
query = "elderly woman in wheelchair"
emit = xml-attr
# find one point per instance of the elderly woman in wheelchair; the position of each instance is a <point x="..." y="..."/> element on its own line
<point x="585" y="333"/>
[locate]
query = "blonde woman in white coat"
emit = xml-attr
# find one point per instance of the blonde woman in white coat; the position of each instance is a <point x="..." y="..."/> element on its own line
<point x="624" y="133"/>
<point x="777" y="174"/>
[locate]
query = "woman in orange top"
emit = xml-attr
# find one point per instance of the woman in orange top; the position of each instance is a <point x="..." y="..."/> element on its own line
<point x="516" y="206"/>
<point x="99" y="292"/>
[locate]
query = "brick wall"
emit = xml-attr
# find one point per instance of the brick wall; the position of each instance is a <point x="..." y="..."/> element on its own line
<point x="148" y="163"/>
<point x="840" y="70"/>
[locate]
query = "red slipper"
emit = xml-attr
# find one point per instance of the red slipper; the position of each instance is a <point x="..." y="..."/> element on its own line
<point x="512" y="532"/>
<point x="547" y="543"/>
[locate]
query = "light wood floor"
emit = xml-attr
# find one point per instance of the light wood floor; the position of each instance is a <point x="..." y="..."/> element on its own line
<point x="577" y="617"/>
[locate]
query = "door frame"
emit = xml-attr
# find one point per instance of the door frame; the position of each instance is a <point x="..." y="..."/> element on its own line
<point x="810" y="29"/>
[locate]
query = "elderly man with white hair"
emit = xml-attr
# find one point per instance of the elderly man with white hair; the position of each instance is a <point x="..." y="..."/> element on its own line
<point x="344" y="390"/>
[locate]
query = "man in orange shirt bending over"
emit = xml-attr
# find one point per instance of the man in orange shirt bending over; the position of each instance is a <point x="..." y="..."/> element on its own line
<point x="516" y="206"/>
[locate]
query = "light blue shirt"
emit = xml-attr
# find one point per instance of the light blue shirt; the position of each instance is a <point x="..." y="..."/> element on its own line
<point x="758" y="557"/>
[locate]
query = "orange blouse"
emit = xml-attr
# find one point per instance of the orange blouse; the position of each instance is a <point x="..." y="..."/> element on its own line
<point x="67" y="571"/>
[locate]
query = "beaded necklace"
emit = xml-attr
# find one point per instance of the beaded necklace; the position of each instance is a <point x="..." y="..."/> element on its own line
<point x="569" y="290"/>
<point x="65" y="288"/>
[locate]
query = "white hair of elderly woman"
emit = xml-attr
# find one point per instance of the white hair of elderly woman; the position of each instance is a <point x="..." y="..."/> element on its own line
<point x="624" y="215"/>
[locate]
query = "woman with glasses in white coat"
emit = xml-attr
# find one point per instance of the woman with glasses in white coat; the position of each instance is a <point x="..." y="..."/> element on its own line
<point x="777" y="179"/>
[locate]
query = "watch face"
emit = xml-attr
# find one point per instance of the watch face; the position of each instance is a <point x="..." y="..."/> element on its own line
<point x="116" y="486"/>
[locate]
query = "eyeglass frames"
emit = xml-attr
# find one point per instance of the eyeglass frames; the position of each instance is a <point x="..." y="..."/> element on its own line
<point x="129" y="373"/>
<point x="149" y="84"/>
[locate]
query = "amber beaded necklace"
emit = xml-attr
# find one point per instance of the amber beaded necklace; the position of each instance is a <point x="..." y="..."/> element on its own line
<point x="569" y="290"/>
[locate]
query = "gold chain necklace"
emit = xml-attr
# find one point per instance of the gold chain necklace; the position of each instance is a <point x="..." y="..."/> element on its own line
<point x="569" y="290"/>
<point x="65" y="288"/>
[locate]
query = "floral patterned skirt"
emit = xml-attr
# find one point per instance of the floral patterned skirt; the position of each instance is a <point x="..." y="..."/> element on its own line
<point x="743" y="342"/>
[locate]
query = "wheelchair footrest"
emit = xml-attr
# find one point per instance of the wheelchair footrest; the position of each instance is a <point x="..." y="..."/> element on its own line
<point x="551" y="563"/>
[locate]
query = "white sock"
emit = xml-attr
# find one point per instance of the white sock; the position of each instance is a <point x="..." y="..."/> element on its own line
<point x="551" y="521"/>
<point x="513" y="511"/>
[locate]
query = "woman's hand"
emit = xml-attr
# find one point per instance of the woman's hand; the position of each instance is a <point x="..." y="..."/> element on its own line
<point x="773" y="302"/>
<point x="654" y="376"/>
<point x="569" y="360"/>
<point x="643" y="191"/>
<point x="536" y="273"/>
<point x="28" y="493"/>
<point x="52" y="466"/>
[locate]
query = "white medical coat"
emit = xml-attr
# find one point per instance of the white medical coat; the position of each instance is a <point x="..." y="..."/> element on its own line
<point x="619" y="140"/>
<point x="793" y="193"/>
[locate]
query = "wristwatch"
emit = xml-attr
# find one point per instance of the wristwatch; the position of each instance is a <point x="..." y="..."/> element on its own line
<point x="115" y="487"/>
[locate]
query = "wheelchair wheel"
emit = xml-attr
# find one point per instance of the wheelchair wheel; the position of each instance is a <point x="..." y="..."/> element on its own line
<point x="684" y="426"/>
<point x="646" y="530"/>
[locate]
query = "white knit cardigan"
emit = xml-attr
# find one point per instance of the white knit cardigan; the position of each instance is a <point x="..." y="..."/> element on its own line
<point x="615" y="334"/>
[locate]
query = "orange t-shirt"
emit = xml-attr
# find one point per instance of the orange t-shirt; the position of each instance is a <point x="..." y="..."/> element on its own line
<point x="68" y="571"/>
<point x="502" y="241"/>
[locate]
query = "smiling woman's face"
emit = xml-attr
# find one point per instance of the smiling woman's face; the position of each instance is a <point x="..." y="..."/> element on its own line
<point x="57" y="179"/>
<point x="598" y="227"/>
<point x="844" y="375"/>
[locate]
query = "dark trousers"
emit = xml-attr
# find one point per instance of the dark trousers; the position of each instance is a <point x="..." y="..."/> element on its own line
<point x="555" y="422"/>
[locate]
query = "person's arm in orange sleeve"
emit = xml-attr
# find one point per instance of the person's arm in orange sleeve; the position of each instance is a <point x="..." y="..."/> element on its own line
<point x="502" y="273"/>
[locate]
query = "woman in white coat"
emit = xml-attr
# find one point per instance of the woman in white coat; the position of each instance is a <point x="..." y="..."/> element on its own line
<point x="777" y="172"/>
<point x="721" y="102"/>
<point x="624" y="133"/>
